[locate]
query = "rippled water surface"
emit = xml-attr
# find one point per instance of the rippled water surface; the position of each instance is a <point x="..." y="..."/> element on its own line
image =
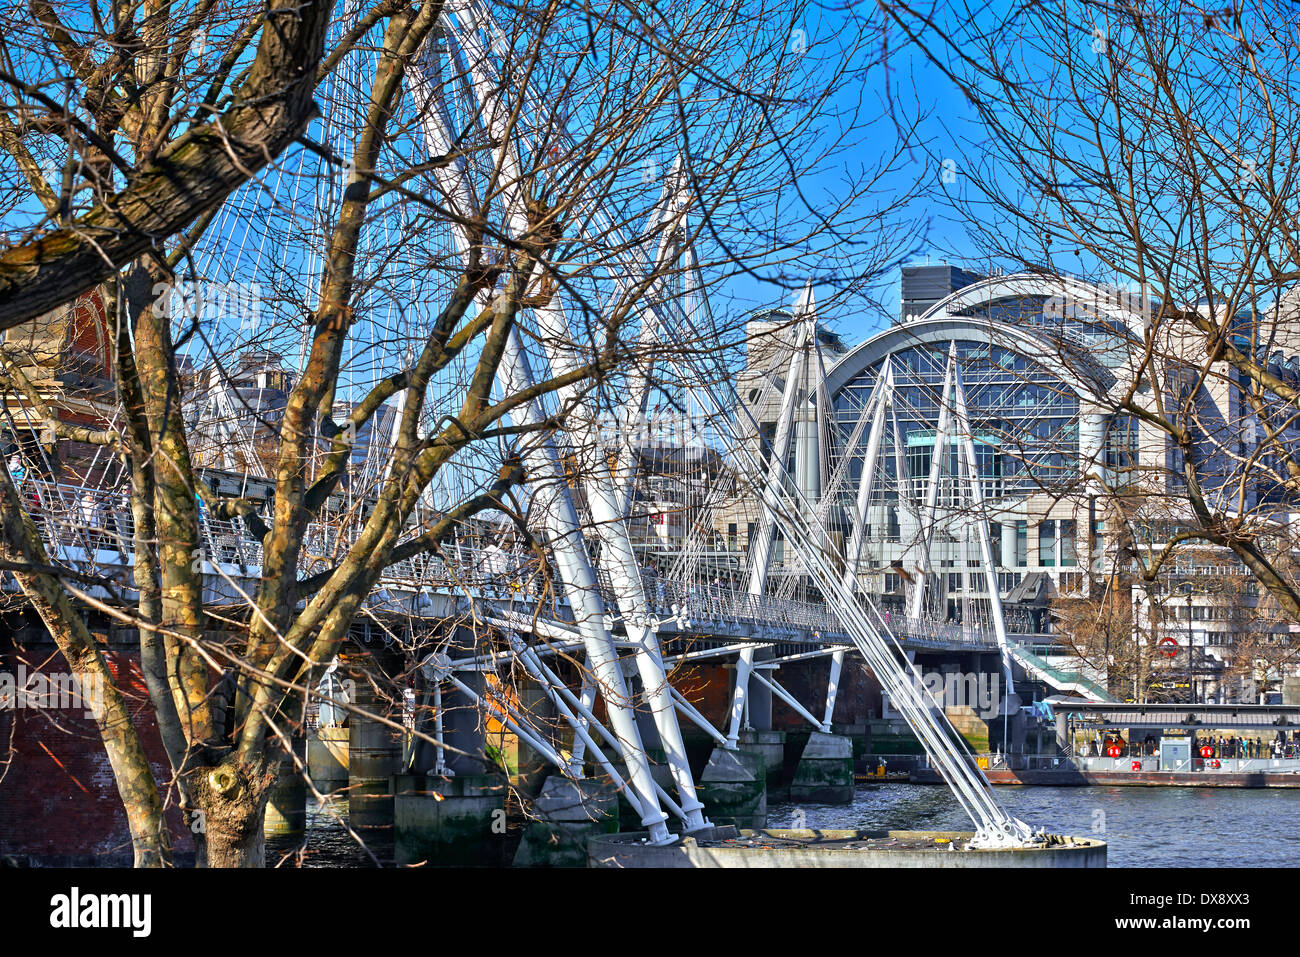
<point x="1143" y="827"/>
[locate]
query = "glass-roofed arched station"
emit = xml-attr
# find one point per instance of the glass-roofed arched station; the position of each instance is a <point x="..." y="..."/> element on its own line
<point x="980" y="419"/>
<point x="961" y="462"/>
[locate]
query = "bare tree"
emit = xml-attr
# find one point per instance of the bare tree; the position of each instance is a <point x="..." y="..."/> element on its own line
<point x="1151" y="150"/>
<point x="474" y="198"/>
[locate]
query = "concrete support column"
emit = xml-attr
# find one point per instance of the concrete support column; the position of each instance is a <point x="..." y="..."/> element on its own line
<point x="428" y="701"/>
<point x="286" y="808"/>
<point x="463" y="726"/>
<point x="769" y="748"/>
<point x="374" y="752"/>
<point x="327" y="759"/>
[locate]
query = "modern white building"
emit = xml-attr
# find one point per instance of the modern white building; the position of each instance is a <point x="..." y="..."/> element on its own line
<point x="978" y="453"/>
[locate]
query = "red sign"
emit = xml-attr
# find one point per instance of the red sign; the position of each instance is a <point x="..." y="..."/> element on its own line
<point x="1168" y="647"/>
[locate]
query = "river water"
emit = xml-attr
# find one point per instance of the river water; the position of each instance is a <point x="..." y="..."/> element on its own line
<point x="1143" y="827"/>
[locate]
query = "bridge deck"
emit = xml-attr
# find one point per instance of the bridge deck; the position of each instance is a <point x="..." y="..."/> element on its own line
<point x="90" y="530"/>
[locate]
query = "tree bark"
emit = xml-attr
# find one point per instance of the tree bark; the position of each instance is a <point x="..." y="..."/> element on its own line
<point x="20" y="543"/>
<point x="195" y="173"/>
<point x="232" y="800"/>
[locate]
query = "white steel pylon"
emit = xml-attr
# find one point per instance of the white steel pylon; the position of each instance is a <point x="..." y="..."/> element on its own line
<point x="761" y="543"/>
<point x="616" y="555"/>
<point x="789" y="511"/>
<point x="878" y="406"/>
<point x="928" y="509"/>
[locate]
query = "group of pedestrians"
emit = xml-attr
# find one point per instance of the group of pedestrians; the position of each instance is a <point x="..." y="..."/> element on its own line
<point x="1231" y="746"/>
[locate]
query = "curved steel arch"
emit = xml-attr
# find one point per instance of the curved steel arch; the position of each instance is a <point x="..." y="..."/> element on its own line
<point x="1092" y="383"/>
<point x="995" y="289"/>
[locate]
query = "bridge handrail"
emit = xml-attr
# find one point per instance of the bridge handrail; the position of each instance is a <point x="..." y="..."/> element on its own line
<point x="86" y="518"/>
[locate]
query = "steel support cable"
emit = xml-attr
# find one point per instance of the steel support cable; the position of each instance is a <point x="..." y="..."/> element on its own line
<point x="994" y="824"/>
<point x="616" y="550"/>
<point x="558" y="514"/>
<point x="971" y="789"/>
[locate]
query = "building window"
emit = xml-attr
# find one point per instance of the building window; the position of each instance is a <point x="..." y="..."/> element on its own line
<point x="918" y="465"/>
<point x="1047" y="543"/>
<point x="1122" y="448"/>
<point x="1067" y="542"/>
<point x="766" y="439"/>
<point x="731" y="536"/>
<point x="1022" y="544"/>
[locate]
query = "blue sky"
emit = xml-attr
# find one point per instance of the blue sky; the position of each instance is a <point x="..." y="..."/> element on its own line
<point x="912" y="87"/>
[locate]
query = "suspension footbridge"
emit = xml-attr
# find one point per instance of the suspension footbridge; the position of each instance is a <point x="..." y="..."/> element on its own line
<point x="591" y="590"/>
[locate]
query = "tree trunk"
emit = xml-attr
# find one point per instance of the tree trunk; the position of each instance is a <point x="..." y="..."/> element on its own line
<point x="241" y="844"/>
<point x="136" y="786"/>
<point x="232" y="801"/>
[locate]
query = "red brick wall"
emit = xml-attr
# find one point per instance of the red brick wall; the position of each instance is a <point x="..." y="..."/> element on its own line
<point x="58" y="801"/>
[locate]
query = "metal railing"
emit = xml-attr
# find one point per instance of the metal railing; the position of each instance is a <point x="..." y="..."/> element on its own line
<point x="1062" y="678"/>
<point x="83" y="523"/>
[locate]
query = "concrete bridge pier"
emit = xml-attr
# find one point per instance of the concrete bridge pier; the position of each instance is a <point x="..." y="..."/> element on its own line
<point x="454" y="821"/>
<point x="454" y="815"/>
<point x="327" y="759"/>
<point x="463" y="726"/>
<point x="824" y="774"/>
<point x="286" y="807"/>
<point x="568" y="812"/>
<point x="768" y="746"/>
<point x="733" y="787"/>
<point x="757" y="736"/>
<point x="374" y="756"/>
